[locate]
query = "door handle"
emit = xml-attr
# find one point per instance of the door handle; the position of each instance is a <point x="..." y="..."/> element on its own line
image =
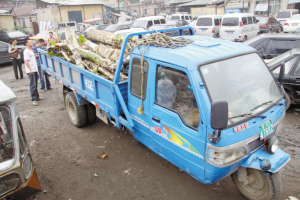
<point x="156" y="119"/>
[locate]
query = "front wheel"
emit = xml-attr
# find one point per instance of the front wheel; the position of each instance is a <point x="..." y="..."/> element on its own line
<point x="260" y="185"/>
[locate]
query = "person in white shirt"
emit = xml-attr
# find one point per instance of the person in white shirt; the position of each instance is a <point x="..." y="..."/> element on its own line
<point x="32" y="71"/>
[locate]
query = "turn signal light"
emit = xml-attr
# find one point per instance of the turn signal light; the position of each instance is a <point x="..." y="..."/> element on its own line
<point x="241" y="24"/>
<point x="262" y="26"/>
<point x="194" y="30"/>
<point x="286" y="24"/>
<point x="213" y="30"/>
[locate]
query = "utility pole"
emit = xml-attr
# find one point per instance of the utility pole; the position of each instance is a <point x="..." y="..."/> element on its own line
<point x="216" y="8"/>
<point x="268" y="12"/>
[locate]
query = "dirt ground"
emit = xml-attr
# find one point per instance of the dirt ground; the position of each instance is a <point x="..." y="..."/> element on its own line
<point x="68" y="167"/>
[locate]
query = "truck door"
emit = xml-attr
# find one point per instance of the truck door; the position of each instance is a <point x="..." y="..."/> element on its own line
<point x="175" y="118"/>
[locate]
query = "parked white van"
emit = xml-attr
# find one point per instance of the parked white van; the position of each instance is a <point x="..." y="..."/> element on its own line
<point x="284" y="15"/>
<point x="208" y="25"/>
<point x="238" y="27"/>
<point x="145" y="22"/>
<point x="63" y="25"/>
<point x="182" y="16"/>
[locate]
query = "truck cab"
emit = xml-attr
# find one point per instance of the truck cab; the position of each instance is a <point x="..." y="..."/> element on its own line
<point x="210" y="107"/>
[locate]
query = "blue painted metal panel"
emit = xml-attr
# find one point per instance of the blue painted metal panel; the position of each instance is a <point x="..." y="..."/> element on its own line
<point x="277" y="160"/>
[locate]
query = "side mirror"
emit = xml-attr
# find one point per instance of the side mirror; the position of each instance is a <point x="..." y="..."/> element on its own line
<point x="281" y="73"/>
<point x="218" y="119"/>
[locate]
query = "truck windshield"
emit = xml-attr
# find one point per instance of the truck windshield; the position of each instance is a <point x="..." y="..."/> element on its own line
<point x="244" y="82"/>
<point x="6" y="139"/>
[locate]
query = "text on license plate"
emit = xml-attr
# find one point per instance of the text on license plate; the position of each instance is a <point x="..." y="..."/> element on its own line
<point x="265" y="129"/>
<point x="229" y="33"/>
<point x="203" y="30"/>
<point x="294" y="24"/>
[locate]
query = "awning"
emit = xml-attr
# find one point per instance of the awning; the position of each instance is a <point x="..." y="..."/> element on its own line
<point x="294" y="1"/>
<point x="237" y="5"/>
<point x="261" y="7"/>
<point x="90" y="21"/>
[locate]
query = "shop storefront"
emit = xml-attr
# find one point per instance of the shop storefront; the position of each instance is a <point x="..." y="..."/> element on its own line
<point x="240" y="7"/>
<point x="261" y="7"/>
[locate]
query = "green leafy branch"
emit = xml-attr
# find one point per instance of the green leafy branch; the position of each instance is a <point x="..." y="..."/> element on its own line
<point x="81" y="39"/>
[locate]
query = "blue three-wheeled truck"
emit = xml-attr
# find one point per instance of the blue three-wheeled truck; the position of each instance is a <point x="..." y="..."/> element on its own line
<point x="212" y="108"/>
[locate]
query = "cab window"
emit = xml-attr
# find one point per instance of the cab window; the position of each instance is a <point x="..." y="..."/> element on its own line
<point x="6" y="138"/>
<point x="297" y="70"/>
<point x="156" y="21"/>
<point x="150" y="23"/>
<point x="250" y="20"/>
<point x="137" y="77"/>
<point x="244" y="20"/>
<point x="174" y="92"/>
<point x="288" y="66"/>
<point x="23" y="142"/>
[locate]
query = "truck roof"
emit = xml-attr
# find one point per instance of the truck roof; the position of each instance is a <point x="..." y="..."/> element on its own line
<point x="7" y="95"/>
<point x="203" y="49"/>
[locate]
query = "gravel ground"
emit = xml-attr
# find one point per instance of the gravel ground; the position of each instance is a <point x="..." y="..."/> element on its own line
<point x="68" y="166"/>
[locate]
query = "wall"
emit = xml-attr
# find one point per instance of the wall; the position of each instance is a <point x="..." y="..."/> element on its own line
<point x="87" y="11"/>
<point x="206" y="11"/>
<point x="7" y="22"/>
<point x="48" y="14"/>
<point x="28" y="23"/>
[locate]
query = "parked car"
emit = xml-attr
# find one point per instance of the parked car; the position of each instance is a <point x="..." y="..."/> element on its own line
<point x="181" y="16"/>
<point x="292" y="24"/>
<point x="4" y="55"/>
<point x="238" y="27"/>
<point x="165" y="26"/>
<point x="179" y="23"/>
<point x="193" y="25"/>
<point x="98" y="27"/>
<point x="7" y="36"/>
<point x="18" y="174"/>
<point x="145" y="22"/>
<point x="291" y="81"/>
<point x="268" y="24"/>
<point x="129" y="23"/>
<point x="116" y="27"/>
<point x="270" y="45"/>
<point x="283" y="15"/>
<point x="208" y="25"/>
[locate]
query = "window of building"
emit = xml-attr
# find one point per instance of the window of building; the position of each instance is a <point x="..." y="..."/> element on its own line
<point x="174" y="92"/>
<point x="136" y="78"/>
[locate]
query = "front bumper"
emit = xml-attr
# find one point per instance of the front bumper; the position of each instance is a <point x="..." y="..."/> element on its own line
<point x="23" y="192"/>
<point x="277" y="160"/>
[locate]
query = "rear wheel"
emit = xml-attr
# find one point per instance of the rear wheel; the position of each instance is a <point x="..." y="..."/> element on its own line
<point x="261" y="185"/>
<point x="91" y="113"/>
<point x="279" y="29"/>
<point x="77" y="114"/>
<point x="245" y="38"/>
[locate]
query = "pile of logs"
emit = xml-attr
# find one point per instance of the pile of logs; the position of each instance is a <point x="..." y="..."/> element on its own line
<point x="99" y="57"/>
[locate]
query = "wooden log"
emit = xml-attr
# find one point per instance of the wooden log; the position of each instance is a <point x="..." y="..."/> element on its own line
<point x="105" y="37"/>
<point x="103" y="50"/>
<point x="105" y="72"/>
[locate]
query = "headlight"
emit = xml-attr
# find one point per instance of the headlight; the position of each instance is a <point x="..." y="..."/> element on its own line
<point x="225" y="157"/>
<point x="8" y="183"/>
<point x="272" y="144"/>
<point x="27" y="166"/>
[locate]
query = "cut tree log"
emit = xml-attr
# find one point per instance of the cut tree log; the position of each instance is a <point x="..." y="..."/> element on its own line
<point x="105" y="37"/>
<point x="79" y="52"/>
<point x="105" y="72"/>
<point x="103" y="50"/>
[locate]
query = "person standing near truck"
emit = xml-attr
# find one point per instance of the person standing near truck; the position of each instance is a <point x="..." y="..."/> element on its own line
<point x="32" y="71"/>
<point x="15" y="54"/>
<point x="40" y="44"/>
<point x="51" y="37"/>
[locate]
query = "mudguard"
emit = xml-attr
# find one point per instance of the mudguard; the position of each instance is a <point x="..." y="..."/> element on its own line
<point x="277" y="160"/>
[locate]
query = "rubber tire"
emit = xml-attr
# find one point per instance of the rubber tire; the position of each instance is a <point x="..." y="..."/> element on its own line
<point x="272" y="182"/>
<point x="76" y="113"/>
<point x="287" y="100"/>
<point x="279" y="30"/>
<point x="90" y="113"/>
<point x="245" y="38"/>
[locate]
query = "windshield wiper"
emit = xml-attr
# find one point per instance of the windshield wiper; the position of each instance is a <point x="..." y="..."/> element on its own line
<point x="262" y="105"/>
<point x="245" y="114"/>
